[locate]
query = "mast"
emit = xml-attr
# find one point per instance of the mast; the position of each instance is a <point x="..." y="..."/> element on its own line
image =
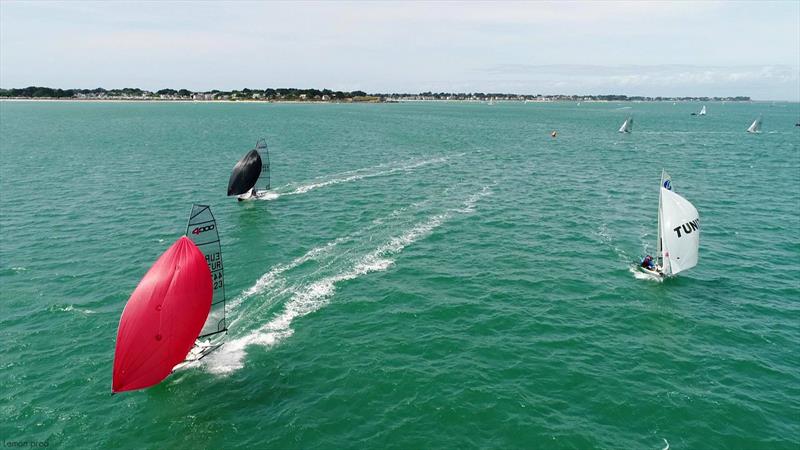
<point x="666" y="183"/>
<point x="659" y="252"/>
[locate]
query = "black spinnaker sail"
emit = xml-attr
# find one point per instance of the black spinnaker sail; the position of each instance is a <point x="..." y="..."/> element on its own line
<point x="252" y="169"/>
<point x="245" y="173"/>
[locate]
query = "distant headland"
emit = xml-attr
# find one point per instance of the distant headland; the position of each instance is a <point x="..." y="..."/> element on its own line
<point x="317" y="95"/>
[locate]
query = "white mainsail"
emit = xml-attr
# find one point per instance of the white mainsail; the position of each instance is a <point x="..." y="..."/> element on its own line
<point x="679" y="227"/>
<point x="755" y="127"/>
<point x="627" y="126"/>
<point x="703" y="110"/>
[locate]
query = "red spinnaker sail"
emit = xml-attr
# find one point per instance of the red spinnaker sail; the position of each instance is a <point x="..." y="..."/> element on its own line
<point x="163" y="317"/>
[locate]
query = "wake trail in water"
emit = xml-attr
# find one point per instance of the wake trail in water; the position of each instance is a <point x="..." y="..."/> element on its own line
<point x="380" y="170"/>
<point x="308" y="297"/>
<point x="274" y="276"/>
<point x="605" y="237"/>
<point x="624" y="258"/>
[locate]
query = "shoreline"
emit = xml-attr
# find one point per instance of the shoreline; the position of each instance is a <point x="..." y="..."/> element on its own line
<point x="317" y="102"/>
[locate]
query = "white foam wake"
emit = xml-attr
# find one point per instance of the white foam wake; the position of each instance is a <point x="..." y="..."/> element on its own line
<point x="272" y="277"/>
<point x="309" y="298"/>
<point x="355" y="175"/>
<point x="639" y="275"/>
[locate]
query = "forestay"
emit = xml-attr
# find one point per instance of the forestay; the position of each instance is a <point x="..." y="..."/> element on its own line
<point x="202" y="230"/>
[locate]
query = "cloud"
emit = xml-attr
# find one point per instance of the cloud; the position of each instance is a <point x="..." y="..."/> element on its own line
<point x="406" y="46"/>
<point x="647" y="79"/>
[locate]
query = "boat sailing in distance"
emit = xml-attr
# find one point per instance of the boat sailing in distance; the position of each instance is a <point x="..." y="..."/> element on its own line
<point x="702" y="111"/>
<point x="755" y="127"/>
<point x="175" y="311"/>
<point x="678" y="241"/>
<point x="250" y="178"/>
<point x="627" y="126"/>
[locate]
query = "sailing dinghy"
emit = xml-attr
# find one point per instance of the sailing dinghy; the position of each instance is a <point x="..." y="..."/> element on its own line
<point x="755" y="127"/>
<point x="250" y="179"/>
<point x="702" y="111"/>
<point x="163" y="317"/>
<point x="678" y="241"/>
<point x="627" y="126"/>
<point x="177" y="313"/>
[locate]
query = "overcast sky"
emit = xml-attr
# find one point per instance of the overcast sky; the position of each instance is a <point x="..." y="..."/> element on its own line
<point x="633" y="48"/>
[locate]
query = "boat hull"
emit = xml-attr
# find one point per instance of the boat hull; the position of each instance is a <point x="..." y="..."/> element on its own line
<point x="655" y="273"/>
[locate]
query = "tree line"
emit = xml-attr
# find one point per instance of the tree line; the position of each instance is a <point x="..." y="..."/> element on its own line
<point x="322" y="94"/>
<point x="279" y="93"/>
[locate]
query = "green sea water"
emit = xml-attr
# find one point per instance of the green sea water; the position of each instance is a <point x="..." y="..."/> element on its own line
<point x="423" y="276"/>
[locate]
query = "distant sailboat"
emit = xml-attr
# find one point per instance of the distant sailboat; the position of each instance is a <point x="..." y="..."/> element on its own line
<point x="755" y="127"/>
<point x="678" y="241"/>
<point x="250" y="172"/>
<point x="703" y="111"/>
<point x="627" y="126"/>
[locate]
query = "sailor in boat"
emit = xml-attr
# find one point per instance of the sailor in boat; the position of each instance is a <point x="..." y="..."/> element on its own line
<point x="251" y="194"/>
<point x="648" y="263"/>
